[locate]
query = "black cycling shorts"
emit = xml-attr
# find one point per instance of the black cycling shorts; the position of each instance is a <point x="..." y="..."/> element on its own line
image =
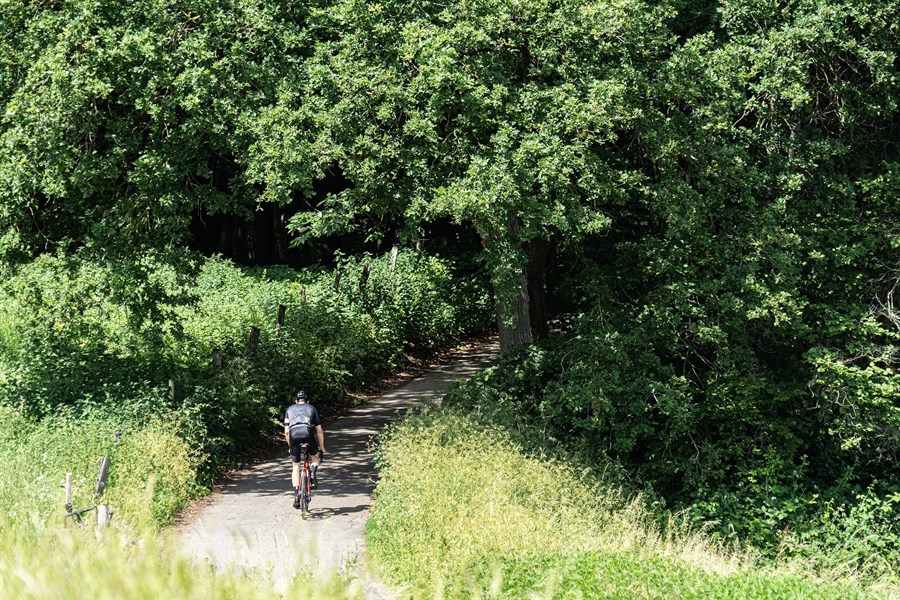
<point x="303" y="434"/>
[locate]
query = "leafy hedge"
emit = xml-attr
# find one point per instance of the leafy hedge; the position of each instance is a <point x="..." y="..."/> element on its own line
<point x="727" y="464"/>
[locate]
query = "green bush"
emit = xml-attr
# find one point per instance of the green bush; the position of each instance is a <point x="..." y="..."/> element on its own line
<point x="758" y="460"/>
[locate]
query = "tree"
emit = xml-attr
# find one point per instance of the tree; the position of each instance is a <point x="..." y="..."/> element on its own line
<point x="510" y="117"/>
<point x="121" y="120"/>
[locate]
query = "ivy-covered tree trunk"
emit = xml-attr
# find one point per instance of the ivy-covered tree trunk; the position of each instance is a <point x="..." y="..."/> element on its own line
<point x="521" y="298"/>
<point x="514" y="318"/>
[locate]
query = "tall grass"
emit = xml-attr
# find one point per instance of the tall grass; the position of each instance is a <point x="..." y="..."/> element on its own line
<point x="461" y="510"/>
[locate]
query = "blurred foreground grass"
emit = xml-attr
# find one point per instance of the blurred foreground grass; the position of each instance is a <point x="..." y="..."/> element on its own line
<point x="42" y="561"/>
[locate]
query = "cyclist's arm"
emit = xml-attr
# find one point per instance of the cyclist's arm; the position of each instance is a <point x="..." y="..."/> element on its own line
<point x="287" y="435"/>
<point x="320" y="435"/>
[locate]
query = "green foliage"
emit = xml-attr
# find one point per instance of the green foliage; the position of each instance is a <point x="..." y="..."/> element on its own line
<point x="153" y="472"/>
<point x="512" y="525"/>
<point x="733" y="337"/>
<point x="119" y="118"/>
<point x="500" y="115"/>
<point x="90" y="348"/>
<point x="727" y="461"/>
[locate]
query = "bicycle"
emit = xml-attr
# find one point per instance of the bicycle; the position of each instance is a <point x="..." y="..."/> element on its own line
<point x="305" y="491"/>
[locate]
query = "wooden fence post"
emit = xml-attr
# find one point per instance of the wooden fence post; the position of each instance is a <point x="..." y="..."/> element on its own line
<point x="303" y="295"/>
<point x="172" y="390"/>
<point x="104" y="515"/>
<point x="279" y="320"/>
<point x="395" y="250"/>
<point x="68" y="487"/>
<point x="254" y="339"/>
<point x="216" y="359"/>
<point x="364" y="277"/>
<point x="337" y="279"/>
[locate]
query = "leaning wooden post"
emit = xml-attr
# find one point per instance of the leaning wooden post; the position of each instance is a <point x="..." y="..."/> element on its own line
<point x="303" y="295"/>
<point x="172" y="390"/>
<point x="364" y="277"/>
<point x="217" y="360"/>
<point x="254" y="339"/>
<point x="68" y="488"/>
<point x="337" y="280"/>
<point x="104" y="511"/>
<point x="395" y="250"/>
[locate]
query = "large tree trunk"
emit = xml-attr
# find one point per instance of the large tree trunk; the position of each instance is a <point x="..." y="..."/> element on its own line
<point x="514" y="321"/>
<point x="523" y="319"/>
<point x="536" y="275"/>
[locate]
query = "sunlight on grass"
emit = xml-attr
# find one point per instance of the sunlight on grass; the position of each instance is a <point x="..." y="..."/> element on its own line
<point x="461" y="511"/>
<point x="37" y="561"/>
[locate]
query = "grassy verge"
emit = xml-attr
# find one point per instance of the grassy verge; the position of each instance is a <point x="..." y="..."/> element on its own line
<point x="81" y="563"/>
<point x="461" y="510"/>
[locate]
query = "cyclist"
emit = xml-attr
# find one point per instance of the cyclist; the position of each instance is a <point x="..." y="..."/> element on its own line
<point x="302" y="426"/>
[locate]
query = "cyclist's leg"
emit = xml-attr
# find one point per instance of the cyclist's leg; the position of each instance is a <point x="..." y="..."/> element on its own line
<point x="313" y="461"/>
<point x="296" y="458"/>
<point x="295" y="474"/>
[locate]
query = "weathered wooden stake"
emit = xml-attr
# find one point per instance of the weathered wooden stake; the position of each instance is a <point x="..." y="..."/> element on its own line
<point x="104" y="515"/>
<point x="217" y="359"/>
<point x="395" y="250"/>
<point x="303" y="295"/>
<point x="172" y="390"/>
<point x="337" y="280"/>
<point x="254" y="339"/>
<point x="365" y="275"/>
<point x="281" y="310"/>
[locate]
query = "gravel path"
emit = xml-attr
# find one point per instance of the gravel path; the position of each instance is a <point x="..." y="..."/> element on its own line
<point x="251" y="522"/>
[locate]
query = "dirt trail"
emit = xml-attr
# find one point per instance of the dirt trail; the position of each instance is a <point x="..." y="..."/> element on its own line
<point x="251" y="523"/>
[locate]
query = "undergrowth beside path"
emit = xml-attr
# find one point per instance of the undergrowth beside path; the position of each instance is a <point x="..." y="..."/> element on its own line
<point x="462" y="511"/>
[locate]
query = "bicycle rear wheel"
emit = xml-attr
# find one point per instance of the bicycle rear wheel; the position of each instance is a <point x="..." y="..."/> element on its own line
<point x="304" y="492"/>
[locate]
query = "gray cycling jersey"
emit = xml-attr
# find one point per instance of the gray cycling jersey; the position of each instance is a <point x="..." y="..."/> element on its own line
<point x="301" y="414"/>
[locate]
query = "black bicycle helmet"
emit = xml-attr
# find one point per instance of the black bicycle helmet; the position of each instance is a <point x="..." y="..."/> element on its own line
<point x="301" y="395"/>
